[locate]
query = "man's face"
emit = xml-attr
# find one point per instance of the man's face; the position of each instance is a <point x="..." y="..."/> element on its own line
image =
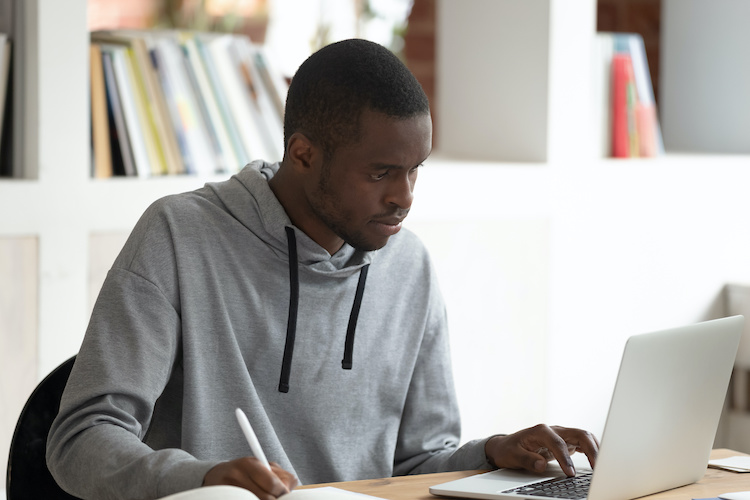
<point x="366" y="189"/>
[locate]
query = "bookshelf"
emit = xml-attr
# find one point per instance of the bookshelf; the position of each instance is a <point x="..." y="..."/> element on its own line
<point x="57" y="211"/>
<point x="541" y="247"/>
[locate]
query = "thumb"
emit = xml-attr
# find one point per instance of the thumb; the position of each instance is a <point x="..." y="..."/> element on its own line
<point x="531" y="461"/>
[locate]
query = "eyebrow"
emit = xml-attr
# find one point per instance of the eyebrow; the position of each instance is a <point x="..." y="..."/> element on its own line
<point x="388" y="166"/>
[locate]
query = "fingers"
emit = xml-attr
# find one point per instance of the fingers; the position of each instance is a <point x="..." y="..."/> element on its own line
<point x="528" y="449"/>
<point x="287" y="478"/>
<point x="251" y="474"/>
<point x="532" y="448"/>
<point x="555" y="447"/>
<point x="583" y="441"/>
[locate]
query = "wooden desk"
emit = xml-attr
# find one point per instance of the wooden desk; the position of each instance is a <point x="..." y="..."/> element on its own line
<point x="417" y="487"/>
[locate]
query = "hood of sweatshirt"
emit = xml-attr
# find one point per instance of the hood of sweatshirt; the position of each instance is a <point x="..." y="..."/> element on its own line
<point x="249" y="199"/>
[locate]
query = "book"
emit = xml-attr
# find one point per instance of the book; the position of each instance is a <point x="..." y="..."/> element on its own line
<point x="626" y="108"/>
<point x="273" y="79"/>
<point x="236" y="493"/>
<point x="271" y="124"/>
<point x="631" y="108"/>
<point x="620" y="128"/>
<point x="602" y="74"/>
<point x="265" y="100"/>
<point x="102" y="150"/>
<point x="198" y="154"/>
<point x="166" y="154"/>
<point x="122" y="155"/>
<point x="649" y="131"/>
<point x="224" y="151"/>
<point x="137" y="132"/>
<point x="164" y="126"/>
<point x="191" y="102"/>
<point x="223" y="104"/>
<point x="5" y="54"/>
<point x="239" y="91"/>
<point x="145" y="116"/>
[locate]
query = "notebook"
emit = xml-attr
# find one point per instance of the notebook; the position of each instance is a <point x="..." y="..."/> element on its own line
<point x="662" y="419"/>
<point x="235" y="493"/>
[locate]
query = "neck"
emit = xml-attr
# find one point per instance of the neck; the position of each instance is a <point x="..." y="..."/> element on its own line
<point x="292" y="196"/>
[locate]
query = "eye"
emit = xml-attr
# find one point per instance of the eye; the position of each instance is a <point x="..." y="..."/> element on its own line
<point x="379" y="176"/>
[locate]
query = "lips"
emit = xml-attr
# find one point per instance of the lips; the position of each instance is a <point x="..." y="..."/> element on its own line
<point x="388" y="226"/>
<point x="390" y="221"/>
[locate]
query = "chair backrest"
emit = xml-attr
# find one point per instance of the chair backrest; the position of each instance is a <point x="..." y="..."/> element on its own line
<point x="28" y="476"/>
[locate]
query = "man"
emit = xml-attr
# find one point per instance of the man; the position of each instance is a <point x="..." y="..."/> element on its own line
<point x="292" y="292"/>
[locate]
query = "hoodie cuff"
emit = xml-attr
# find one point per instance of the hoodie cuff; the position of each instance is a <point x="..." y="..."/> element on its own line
<point x="471" y="456"/>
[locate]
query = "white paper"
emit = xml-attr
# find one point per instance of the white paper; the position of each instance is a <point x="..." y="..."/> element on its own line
<point x="737" y="463"/>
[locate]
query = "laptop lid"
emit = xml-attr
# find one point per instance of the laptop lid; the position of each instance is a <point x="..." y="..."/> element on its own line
<point x="662" y="418"/>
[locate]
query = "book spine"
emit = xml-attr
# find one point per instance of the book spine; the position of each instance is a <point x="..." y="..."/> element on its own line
<point x="197" y="140"/>
<point x="620" y="141"/>
<point x="239" y="94"/>
<point x="102" y="150"/>
<point x="136" y="132"/>
<point x="172" y="111"/>
<point x="631" y="105"/>
<point x="602" y="77"/>
<point x="242" y="158"/>
<point x="167" y="137"/>
<point x="145" y="117"/>
<point x="122" y="155"/>
<point x="204" y="99"/>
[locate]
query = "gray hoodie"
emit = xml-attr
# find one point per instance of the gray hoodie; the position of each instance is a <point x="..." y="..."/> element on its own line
<point x="199" y="312"/>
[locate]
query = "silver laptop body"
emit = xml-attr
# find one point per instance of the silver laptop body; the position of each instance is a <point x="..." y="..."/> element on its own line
<point x="662" y="419"/>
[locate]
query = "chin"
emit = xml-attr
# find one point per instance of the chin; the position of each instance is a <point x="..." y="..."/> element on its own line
<point x="367" y="246"/>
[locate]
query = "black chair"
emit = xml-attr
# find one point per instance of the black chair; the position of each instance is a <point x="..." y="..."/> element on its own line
<point x="28" y="476"/>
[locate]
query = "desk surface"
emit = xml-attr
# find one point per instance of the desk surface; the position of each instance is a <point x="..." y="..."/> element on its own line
<point x="416" y="487"/>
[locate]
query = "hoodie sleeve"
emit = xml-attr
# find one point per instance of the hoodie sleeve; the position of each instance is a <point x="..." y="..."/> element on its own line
<point x="129" y="353"/>
<point x="430" y="425"/>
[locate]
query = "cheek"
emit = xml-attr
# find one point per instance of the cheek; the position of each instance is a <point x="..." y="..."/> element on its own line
<point x="360" y="196"/>
<point x="368" y="201"/>
<point x="354" y="205"/>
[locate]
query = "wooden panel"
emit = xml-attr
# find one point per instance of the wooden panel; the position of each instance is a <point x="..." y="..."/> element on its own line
<point x="18" y="333"/>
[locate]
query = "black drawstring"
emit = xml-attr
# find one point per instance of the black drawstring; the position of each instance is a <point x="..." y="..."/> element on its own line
<point x="291" y="327"/>
<point x="346" y="363"/>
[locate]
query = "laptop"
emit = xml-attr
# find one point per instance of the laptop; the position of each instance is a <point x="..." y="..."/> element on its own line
<point x="661" y="423"/>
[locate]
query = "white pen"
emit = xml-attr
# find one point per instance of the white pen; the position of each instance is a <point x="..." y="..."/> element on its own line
<point x="252" y="439"/>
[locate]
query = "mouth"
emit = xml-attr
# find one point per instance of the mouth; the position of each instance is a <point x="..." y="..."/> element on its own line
<point x="388" y="226"/>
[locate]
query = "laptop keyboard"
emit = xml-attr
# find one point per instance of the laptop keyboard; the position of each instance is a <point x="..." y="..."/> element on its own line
<point x="562" y="487"/>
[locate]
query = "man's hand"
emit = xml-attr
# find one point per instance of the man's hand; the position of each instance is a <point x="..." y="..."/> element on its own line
<point x="532" y="448"/>
<point x="250" y="474"/>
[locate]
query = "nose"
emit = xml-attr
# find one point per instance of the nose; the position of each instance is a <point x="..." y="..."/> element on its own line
<point x="401" y="191"/>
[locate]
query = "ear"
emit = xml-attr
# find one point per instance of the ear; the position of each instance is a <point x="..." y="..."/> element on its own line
<point x="303" y="153"/>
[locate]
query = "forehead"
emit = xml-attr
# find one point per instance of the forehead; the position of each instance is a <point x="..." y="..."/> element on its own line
<point x="395" y="140"/>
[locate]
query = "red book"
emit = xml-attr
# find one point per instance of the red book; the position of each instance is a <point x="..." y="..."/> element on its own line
<point x="622" y="77"/>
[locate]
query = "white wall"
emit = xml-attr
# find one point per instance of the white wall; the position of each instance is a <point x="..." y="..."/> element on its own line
<point x="548" y="269"/>
<point x="704" y="64"/>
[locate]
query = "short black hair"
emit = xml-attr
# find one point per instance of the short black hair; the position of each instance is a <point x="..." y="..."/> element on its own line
<point x="333" y="86"/>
